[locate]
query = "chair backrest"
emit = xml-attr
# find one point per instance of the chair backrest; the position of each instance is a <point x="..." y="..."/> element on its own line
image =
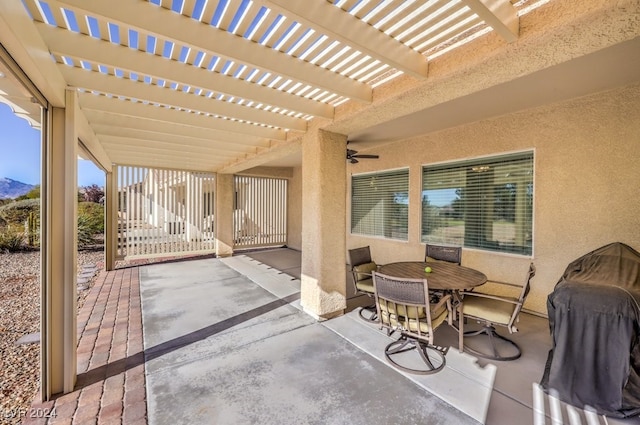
<point x="451" y="254"/>
<point x="359" y="256"/>
<point x="403" y="303"/>
<point x="361" y="266"/>
<point x="523" y="294"/>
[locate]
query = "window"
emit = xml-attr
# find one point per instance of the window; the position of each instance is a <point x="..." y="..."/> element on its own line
<point x="380" y="204"/>
<point x="483" y="203"/>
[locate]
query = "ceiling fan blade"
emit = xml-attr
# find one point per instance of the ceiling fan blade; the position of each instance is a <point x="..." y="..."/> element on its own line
<point x="352" y="155"/>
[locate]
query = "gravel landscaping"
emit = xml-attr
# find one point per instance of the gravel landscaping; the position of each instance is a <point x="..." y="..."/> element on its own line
<point x="20" y="316"/>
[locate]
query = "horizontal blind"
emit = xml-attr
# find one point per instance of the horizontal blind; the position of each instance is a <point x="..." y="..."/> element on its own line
<point x="484" y="203"/>
<point x="380" y="204"/>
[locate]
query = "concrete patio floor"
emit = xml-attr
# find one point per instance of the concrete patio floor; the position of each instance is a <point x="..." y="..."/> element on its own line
<point x="223" y="341"/>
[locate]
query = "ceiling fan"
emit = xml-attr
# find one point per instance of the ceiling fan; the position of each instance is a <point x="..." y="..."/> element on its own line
<point x="353" y="155"/>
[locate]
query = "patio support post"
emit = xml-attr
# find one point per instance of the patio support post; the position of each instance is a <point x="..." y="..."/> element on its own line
<point x="111" y="219"/>
<point x="224" y="205"/>
<point x="323" y="291"/>
<point x="59" y="249"/>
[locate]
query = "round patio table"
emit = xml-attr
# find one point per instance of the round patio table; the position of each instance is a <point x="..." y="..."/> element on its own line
<point x="443" y="276"/>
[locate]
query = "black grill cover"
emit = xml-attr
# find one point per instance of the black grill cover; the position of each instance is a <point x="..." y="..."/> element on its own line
<point x="594" y="321"/>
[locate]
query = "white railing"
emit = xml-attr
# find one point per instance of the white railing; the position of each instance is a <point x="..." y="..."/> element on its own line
<point x="260" y="215"/>
<point x="164" y="212"/>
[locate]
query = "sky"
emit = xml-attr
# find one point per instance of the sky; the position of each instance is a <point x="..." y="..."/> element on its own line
<point x="20" y="153"/>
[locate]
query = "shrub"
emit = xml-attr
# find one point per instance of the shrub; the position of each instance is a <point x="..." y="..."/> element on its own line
<point x="32" y="194"/>
<point x="93" y="193"/>
<point x="11" y="239"/>
<point x="18" y="212"/>
<point x="93" y="213"/>
<point x="90" y="222"/>
<point x="25" y="214"/>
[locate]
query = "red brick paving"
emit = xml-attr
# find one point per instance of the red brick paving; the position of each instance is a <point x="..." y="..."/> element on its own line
<point x="111" y="381"/>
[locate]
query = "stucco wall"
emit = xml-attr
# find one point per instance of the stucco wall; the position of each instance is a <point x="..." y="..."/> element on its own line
<point x="587" y="175"/>
<point x="294" y="212"/>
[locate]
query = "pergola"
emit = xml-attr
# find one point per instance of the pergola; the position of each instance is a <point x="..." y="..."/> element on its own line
<point x="233" y="86"/>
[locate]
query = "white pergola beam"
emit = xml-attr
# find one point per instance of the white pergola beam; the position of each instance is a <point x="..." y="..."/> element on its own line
<point x="23" y="108"/>
<point x="91" y="80"/>
<point x="165" y="24"/>
<point x="90" y="142"/>
<point x="130" y="144"/>
<point x="218" y="127"/>
<point x="498" y="14"/>
<point x="169" y="164"/>
<point x="22" y="40"/>
<point x="82" y="47"/>
<point x="102" y="126"/>
<point x="264" y="157"/>
<point x="179" y="142"/>
<point x="342" y="26"/>
<point x="163" y="160"/>
<point x="105" y="121"/>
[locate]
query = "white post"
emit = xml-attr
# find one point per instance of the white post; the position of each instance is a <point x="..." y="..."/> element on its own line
<point x="59" y="249"/>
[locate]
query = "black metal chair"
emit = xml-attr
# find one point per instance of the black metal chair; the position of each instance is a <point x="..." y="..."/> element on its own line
<point x="494" y="310"/>
<point x="362" y="267"/>
<point x="403" y="305"/>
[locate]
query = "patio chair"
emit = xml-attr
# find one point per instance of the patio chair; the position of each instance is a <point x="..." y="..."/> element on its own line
<point x="493" y="310"/>
<point x="361" y="268"/>
<point x="451" y="254"/>
<point x="403" y="305"/>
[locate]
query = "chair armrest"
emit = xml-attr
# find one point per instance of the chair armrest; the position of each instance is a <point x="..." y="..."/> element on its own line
<point x="446" y="299"/>
<point x="513" y="285"/>
<point x="510" y="300"/>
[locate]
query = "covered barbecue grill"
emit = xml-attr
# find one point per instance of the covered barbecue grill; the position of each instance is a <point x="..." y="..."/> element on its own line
<point x="594" y="320"/>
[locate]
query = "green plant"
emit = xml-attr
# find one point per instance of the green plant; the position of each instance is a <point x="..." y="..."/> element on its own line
<point x="90" y="222"/>
<point x="18" y="212"/>
<point x="32" y="229"/>
<point x="93" y="213"/>
<point x="11" y="239"/>
<point x="32" y="194"/>
<point x="85" y="233"/>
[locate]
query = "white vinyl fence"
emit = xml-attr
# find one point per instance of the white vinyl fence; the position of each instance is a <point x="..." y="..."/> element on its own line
<point x="164" y="212"/>
<point x="260" y="215"/>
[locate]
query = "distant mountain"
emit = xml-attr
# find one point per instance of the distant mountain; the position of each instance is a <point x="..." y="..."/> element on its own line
<point x="12" y="189"/>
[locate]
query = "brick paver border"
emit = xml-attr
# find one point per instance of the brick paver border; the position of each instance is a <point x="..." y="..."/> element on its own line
<point x="111" y="381"/>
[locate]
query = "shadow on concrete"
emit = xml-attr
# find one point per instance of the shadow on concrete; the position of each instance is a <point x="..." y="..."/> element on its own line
<point x="108" y="370"/>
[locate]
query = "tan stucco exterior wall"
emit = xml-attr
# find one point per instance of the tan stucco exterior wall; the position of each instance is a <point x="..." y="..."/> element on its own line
<point x="294" y="211"/>
<point x="323" y="285"/>
<point x="587" y="169"/>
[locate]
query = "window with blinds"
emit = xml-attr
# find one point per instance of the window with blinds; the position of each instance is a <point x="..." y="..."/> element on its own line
<point x="380" y="204"/>
<point x="483" y="203"/>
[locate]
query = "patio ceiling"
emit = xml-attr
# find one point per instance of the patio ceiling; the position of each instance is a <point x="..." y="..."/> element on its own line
<point x="211" y="84"/>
